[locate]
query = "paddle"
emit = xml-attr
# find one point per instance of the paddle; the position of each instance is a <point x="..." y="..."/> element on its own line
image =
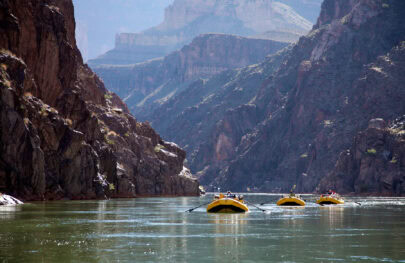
<point x="263" y="210"/>
<point x="191" y="209"/>
<point x="358" y="203"/>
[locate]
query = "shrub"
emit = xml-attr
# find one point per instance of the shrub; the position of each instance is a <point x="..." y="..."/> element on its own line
<point x="158" y="147"/>
<point x="108" y="96"/>
<point x="371" y="151"/>
<point x="394" y="160"/>
<point x="7" y="83"/>
<point x="43" y="111"/>
<point x="110" y="142"/>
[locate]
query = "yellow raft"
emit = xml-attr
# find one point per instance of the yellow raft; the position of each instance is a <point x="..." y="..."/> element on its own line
<point x="227" y="204"/>
<point x="333" y="199"/>
<point x="291" y="200"/>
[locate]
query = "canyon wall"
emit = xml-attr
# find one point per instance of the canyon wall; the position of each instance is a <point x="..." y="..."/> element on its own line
<point x="147" y="85"/>
<point x="286" y="121"/>
<point x="63" y="135"/>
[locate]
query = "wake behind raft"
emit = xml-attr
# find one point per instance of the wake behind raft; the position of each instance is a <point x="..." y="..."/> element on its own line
<point x="229" y="203"/>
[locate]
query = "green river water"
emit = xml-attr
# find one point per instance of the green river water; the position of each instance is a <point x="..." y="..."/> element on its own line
<point x="158" y="230"/>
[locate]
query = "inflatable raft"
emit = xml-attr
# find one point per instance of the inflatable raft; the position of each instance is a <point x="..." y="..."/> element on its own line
<point x="227" y="204"/>
<point x="333" y="199"/>
<point x="291" y="200"/>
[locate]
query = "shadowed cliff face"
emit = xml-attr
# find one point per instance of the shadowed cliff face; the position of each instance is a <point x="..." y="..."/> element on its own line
<point x="304" y="111"/>
<point x="374" y="163"/>
<point x="62" y="134"/>
<point x="147" y="85"/>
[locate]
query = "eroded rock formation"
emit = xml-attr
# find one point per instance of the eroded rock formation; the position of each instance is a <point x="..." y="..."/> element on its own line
<point x="374" y="163"/>
<point x="146" y="85"/>
<point x="63" y="135"/>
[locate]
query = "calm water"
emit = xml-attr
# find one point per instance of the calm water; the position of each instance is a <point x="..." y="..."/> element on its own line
<point x="158" y="230"/>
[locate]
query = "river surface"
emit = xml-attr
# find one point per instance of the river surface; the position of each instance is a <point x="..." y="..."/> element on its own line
<point x="159" y="230"/>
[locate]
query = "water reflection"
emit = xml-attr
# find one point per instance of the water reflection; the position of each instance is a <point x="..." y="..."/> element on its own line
<point x="9" y="211"/>
<point x="332" y="215"/>
<point x="229" y="235"/>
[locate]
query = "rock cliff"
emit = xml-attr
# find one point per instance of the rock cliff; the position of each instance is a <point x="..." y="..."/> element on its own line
<point x="184" y="20"/>
<point x="307" y="104"/>
<point x="63" y="135"/>
<point x="146" y="85"/>
<point x="374" y="163"/>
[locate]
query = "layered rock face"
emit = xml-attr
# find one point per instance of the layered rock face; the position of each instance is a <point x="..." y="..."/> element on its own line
<point x="147" y="85"/>
<point x="374" y="163"/>
<point x="307" y="103"/>
<point x="184" y="20"/>
<point x="63" y="135"/>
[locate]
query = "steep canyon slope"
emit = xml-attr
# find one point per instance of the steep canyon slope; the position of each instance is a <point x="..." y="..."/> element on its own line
<point x="144" y="86"/>
<point x="63" y="135"/>
<point x="286" y="120"/>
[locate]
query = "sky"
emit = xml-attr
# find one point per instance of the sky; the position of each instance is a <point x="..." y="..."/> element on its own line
<point x="97" y="21"/>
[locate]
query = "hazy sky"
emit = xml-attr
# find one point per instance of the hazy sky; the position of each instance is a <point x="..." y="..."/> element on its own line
<point x="97" y="21"/>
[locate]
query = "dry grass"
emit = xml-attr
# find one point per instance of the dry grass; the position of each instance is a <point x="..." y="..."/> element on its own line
<point x="69" y="122"/>
<point x="53" y="110"/>
<point x="112" y="133"/>
<point x="27" y="94"/>
<point x="7" y="83"/>
<point x="7" y="52"/>
<point x="118" y="110"/>
<point x="43" y="111"/>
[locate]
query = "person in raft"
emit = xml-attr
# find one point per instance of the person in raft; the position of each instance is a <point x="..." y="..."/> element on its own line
<point x="230" y="195"/>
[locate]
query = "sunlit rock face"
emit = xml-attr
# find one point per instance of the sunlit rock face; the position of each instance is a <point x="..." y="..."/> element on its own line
<point x="63" y="135"/>
<point x="285" y="121"/>
<point x="8" y="200"/>
<point x="185" y="19"/>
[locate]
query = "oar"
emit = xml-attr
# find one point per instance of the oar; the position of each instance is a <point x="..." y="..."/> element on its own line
<point x="191" y="209"/>
<point x="263" y="210"/>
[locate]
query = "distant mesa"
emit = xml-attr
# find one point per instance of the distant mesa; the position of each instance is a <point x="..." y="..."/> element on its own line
<point x="184" y="20"/>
